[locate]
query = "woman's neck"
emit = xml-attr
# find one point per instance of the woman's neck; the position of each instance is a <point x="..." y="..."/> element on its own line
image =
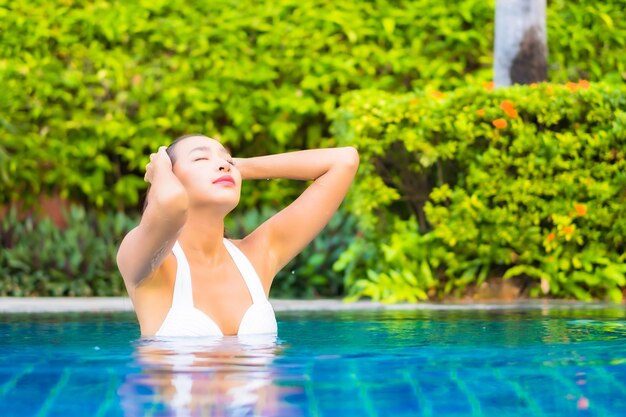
<point x="203" y="235"/>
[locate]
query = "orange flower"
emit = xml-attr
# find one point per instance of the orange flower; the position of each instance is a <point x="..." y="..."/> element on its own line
<point x="489" y="85"/>
<point x="551" y="237"/>
<point x="584" y="84"/>
<point x="414" y="102"/>
<point x="481" y="112"/>
<point x="499" y="123"/>
<point x="568" y="230"/>
<point x="512" y="113"/>
<point x="508" y="108"/>
<point x="581" y="209"/>
<point x="571" y="86"/>
<point x="507" y="105"/>
<point x="549" y="90"/>
<point x="437" y="94"/>
<point x="533" y="85"/>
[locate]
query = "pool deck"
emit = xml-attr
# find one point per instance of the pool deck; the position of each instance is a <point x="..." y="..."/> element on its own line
<point x="121" y="304"/>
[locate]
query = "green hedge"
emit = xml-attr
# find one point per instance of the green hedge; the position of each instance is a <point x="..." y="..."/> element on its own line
<point x="39" y="259"/>
<point x="456" y="188"/>
<point x="310" y="274"/>
<point x="89" y="89"/>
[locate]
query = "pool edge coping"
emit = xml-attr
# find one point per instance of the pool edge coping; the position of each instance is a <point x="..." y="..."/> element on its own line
<point x="123" y="304"/>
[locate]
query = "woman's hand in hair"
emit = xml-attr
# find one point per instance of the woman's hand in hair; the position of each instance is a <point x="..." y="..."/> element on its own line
<point x="166" y="191"/>
<point x="159" y="163"/>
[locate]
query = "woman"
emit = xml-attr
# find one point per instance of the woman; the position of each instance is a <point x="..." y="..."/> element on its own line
<point x="183" y="276"/>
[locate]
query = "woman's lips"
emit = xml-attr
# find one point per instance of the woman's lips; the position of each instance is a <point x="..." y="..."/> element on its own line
<point x="226" y="179"/>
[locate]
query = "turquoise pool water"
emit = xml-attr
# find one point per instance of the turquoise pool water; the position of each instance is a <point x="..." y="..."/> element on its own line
<point x="503" y="362"/>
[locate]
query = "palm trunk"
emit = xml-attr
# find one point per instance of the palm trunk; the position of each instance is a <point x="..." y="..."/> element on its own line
<point x="521" y="51"/>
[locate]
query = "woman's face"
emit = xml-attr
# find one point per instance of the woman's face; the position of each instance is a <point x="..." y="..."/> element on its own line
<point x="206" y="170"/>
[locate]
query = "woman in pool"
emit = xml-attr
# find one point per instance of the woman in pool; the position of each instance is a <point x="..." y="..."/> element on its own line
<point x="183" y="276"/>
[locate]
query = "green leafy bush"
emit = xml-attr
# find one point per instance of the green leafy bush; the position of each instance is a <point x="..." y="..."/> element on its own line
<point x="90" y="89"/>
<point x="584" y="38"/>
<point x="456" y="188"/>
<point x="39" y="259"/>
<point x="310" y="274"/>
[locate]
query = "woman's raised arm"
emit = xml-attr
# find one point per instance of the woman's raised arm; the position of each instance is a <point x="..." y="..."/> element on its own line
<point x="144" y="248"/>
<point x="286" y="233"/>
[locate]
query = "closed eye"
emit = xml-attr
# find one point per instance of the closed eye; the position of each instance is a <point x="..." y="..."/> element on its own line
<point x="201" y="159"/>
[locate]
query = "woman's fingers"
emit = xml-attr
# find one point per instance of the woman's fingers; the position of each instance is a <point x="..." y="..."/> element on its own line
<point x="158" y="160"/>
<point x="148" y="175"/>
<point x="163" y="158"/>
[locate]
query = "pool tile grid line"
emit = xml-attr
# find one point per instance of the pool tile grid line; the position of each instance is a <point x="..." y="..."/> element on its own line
<point x="154" y="408"/>
<point x="473" y="400"/>
<point x="110" y="396"/>
<point x="310" y="395"/>
<point x="367" y="402"/>
<point x="606" y="376"/>
<point x="534" y="407"/>
<point x="54" y="392"/>
<point x="425" y="404"/>
<point x="11" y="383"/>
<point x="578" y="391"/>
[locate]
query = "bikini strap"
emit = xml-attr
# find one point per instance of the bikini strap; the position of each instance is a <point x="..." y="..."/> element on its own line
<point x="183" y="296"/>
<point x="247" y="270"/>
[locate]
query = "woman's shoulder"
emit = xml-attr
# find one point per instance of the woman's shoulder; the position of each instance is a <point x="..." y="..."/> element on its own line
<point x="255" y="249"/>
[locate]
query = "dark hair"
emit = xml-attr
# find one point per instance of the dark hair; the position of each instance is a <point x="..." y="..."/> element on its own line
<point x="172" y="155"/>
<point x="170" y="148"/>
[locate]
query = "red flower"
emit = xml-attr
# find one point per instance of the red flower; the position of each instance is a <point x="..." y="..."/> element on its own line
<point x="551" y="237"/>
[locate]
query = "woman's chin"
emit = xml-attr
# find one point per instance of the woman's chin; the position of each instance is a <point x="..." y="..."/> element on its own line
<point x="222" y="203"/>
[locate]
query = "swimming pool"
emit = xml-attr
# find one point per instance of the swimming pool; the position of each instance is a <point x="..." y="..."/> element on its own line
<point x="535" y="361"/>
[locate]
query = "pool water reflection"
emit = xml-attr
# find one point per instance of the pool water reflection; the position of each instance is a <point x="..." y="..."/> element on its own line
<point x="540" y="361"/>
<point x="206" y="376"/>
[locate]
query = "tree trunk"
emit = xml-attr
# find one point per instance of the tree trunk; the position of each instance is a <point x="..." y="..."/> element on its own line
<point x="521" y="50"/>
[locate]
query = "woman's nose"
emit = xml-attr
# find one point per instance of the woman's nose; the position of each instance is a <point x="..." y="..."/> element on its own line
<point x="224" y="166"/>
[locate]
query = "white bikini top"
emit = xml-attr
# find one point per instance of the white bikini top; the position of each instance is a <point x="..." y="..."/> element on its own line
<point x="184" y="319"/>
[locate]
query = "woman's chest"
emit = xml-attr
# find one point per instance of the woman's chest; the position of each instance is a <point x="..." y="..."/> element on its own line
<point x="222" y="294"/>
